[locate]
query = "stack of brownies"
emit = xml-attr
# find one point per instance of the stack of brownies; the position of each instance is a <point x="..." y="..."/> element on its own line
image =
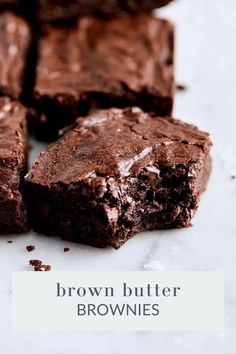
<point x="96" y="78"/>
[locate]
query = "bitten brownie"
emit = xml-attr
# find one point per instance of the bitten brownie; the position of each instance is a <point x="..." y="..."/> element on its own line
<point x="14" y="45"/>
<point x="13" y="166"/>
<point x="53" y="10"/>
<point x="120" y="62"/>
<point x="116" y="173"/>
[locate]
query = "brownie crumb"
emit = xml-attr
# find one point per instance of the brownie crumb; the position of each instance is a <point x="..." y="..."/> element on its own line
<point x="9" y="241"/>
<point x="66" y="249"/>
<point x="46" y="268"/>
<point x="35" y="263"/>
<point x="30" y="248"/>
<point x="233" y="177"/>
<point x="181" y="87"/>
<point x="39" y="266"/>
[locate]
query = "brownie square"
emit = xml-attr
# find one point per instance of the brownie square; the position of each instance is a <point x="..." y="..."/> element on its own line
<point x="118" y="172"/>
<point x="14" y="45"/>
<point x="54" y="10"/>
<point x="13" y="166"/>
<point x="120" y="62"/>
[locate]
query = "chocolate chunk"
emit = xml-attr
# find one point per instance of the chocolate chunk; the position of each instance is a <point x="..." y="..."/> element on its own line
<point x="66" y="249"/>
<point x="14" y="46"/>
<point x="13" y="166"/>
<point x="116" y="173"/>
<point x="53" y="10"/>
<point x="120" y="62"/>
<point x="39" y="266"/>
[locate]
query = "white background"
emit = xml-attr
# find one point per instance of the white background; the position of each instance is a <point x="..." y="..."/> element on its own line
<point x="206" y="63"/>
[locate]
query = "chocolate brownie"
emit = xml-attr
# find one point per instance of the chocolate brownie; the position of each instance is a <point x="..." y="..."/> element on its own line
<point x="53" y="10"/>
<point x="14" y="45"/>
<point x="119" y="62"/>
<point x="13" y="166"/>
<point x="118" y="172"/>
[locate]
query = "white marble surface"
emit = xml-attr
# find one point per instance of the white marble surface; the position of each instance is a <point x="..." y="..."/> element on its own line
<point x="206" y="63"/>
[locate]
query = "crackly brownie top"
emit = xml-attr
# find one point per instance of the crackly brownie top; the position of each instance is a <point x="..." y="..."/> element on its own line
<point x="14" y="43"/>
<point x="134" y="53"/>
<point x="12" y="135"/>
<point x="118" y="143"/>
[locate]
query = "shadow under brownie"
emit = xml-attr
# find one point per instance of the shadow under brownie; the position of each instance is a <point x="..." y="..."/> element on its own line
<point x="119" y="62"/>
<point x="118" y="172"/>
